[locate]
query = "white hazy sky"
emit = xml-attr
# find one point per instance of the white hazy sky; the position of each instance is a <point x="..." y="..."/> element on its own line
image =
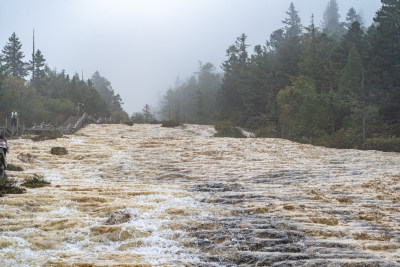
<point x="141" y="46"/>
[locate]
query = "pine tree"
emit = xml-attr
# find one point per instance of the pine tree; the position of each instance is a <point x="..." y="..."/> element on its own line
<point x="147" y="113"/>
<point x="209" y="83"/>
<point x="37" y="68"/>
<point x="103" y="86"/>
<point x="290" y="49"/>
<point x="352" y="93"/>
<point x="198" y="98"/>
<point x="384" y="63"/>
<point x="293" y="27"/>
<point x="330" y="23"/>
<point x="316" y="65"/>
<point x="39" y="65"/>
<point x="230" y="99"/>
<point x="352" y="17"/>
<point x="13" y="56"/>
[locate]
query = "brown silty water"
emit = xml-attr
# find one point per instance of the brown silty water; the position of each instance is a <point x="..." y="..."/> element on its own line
<point x="152" y="196"/>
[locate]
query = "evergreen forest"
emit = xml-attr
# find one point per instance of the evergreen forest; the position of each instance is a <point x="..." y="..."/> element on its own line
<point x="40" y="94"/>
<point x="336" y="84"/>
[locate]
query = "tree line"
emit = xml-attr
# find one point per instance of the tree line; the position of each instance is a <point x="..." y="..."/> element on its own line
<point x="336" y="85"/>
<point x="41" y="94"/>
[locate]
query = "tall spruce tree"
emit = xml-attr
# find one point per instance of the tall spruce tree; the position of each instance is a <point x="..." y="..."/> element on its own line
<point x="209" y="83"/>
<point x="290" y="48"/>
<point x="352" y="17"/>
<point x="13" y="58"/>
<point x="38" y="69"/>
<point x="330" y="23"/>
<point x="352" y="93"/>
<point x="148" y="117"/>
<point x="384" y="63"/>
<point x="103" y="86"/>
<point x="293" y="27"/>
<point x="230" y="98"/>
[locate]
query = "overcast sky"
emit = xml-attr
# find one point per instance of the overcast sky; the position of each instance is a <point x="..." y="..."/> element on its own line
<point x="141" y="46"/>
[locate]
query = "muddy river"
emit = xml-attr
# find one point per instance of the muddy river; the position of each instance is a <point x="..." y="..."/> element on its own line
<point x="145" y="195"/>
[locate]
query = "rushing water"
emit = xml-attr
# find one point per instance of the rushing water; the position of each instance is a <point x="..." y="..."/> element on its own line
<point x="147" y="195"/>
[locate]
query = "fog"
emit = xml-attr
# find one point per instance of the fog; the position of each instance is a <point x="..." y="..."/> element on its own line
<point x="141" y="47"/>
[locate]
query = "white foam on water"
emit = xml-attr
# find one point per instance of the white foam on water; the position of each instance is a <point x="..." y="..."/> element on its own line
<point x="150" y="174"/>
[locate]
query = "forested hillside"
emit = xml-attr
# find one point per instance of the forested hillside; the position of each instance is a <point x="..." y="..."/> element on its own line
<point x="41" y="94"/>
<point x="337" y="84"/>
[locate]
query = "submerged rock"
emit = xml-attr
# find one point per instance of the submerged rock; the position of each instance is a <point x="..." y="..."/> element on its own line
<point x="26" y="157"/>
<point x="59" y="151"/>
<point x="118" y="217"/>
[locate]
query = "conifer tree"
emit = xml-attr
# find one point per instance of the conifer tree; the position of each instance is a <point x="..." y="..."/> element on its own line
<point x="103" y="86"/>
<point x="293" y="27"/>
<point x="352" y="17"/>
<point x="237" y="63"/>
<point x="37" y="68"/>
<point x="13" y="58"/>
<point x="290" y="49"/>
<point x="384" y="63"/>
<point x="330" y="23"/>
<point x="198" y="97"/>
<point x="147" y="113"/>
<point x="352" y="93"/>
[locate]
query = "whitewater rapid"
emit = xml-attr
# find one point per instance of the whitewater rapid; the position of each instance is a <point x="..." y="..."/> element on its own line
<point x="191" y="199"/>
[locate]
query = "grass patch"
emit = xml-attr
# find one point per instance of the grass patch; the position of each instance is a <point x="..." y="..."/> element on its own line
<point x="9" y="186"/>
<point x="35" y="182"/>
<point x="47" y="135"/>
<point x="12" y="167"/>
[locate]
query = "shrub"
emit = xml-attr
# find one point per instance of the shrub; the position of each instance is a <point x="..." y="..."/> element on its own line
<point x="383" y="144"/>
<point x="341" y="139"/>
<point x="47" y="135"/>
<point x="9" y="186"/>
<point x="226" y="129"/>
<point x="35" y="182"/>
<point x="170" y="123"/>
<point x="137" y="117"/>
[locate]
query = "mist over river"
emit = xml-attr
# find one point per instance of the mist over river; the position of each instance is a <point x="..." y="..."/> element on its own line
<point x="145" y="195"/>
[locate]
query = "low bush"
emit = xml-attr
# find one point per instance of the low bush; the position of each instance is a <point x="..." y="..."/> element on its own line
<point x="226" y="129"/>
<point x="35" y="182"/>
<point x="47" y="135"/>
<point x="341" y="139"/>
<point x="384" y="144"/>
<point x="9" y="186"/>
<point x="170" y="123"/>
